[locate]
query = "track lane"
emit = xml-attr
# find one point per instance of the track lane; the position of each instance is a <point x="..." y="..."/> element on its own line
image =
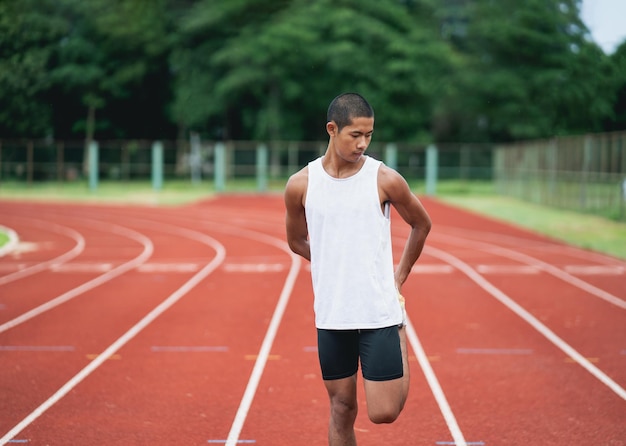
<point x="511" y="397"/>
<point x="90" y="321"/>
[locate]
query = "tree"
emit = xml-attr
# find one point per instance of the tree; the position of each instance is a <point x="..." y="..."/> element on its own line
<point x="273" y="74"/>
<point x="618" y="119"/>
<point x="112" y="52"/>
<point x="531" y="72"/>
<point x="29" y="34"/>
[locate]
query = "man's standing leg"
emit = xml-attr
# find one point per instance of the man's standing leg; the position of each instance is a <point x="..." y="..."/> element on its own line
<point x="343" y="411"/>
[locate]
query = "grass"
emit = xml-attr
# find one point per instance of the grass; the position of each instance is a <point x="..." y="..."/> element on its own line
<point x="577" y="229"/>
<point x="583" y="230"/>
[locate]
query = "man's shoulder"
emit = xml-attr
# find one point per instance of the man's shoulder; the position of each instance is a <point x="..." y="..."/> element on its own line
<point x="297" y="182"/>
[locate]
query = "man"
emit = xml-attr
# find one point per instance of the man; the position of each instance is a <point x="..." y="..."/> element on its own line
<point x="338" y="218"/>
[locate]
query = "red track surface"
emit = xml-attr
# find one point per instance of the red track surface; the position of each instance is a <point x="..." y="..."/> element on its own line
<point x="194" y="325"/>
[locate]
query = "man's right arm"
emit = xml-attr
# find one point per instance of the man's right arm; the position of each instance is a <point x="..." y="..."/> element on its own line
<point x="295" y="220"/>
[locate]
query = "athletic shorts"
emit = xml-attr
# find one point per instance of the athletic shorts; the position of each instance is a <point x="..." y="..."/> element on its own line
<point x="377" y="349"/>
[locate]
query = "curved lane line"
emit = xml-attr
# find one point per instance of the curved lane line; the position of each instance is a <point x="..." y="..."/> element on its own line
<point x="528" y="317"/>
<point x="148" y="248"/>
<point x="270" y="335"/>
<point x="435" y="387"/>
<point x="126" y="337"/>
<point x="544" y="266"/>
<point x="562" y="248"/>
<point x="69" y="255"/>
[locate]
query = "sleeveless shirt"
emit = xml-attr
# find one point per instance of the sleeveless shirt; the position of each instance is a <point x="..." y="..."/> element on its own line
<point x="351" y="252"/>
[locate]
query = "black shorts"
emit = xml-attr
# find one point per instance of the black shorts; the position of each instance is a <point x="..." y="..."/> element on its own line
<point x="378" y="349"/>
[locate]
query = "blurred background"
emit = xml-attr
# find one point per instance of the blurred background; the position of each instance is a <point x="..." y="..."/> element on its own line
<point x="517" y="97"/>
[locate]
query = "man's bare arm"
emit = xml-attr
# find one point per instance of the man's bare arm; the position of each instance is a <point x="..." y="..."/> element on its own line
<point x="295" y="220"/>
<point x="395" y="189"/>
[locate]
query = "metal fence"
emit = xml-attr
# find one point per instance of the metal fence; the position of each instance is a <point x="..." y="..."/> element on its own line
<point x="585" y="173"/>
<point x="31" y="161"/>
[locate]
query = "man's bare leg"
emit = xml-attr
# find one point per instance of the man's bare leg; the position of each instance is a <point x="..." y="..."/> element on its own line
<point x="343" y="411"/>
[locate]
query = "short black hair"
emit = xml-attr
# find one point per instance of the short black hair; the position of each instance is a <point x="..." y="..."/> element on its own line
<point x="347" y="106"/>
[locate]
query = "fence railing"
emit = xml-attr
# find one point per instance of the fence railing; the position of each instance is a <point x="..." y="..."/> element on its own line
<point x="39" y="160"/>
<point x="585" y="173"/>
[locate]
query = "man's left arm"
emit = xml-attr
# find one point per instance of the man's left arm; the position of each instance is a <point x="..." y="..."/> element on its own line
<point x="395" y="189"/>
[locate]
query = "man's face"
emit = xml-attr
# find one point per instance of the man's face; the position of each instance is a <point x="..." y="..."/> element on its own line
<point x="352" y="141"/>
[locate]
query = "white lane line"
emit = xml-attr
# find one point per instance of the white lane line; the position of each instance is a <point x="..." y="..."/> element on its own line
<point x="188" y="348"/>
<point x="494" y="351"/>
<point x="266" y="346"/>
<point x="528" y="317"/>
<point x="595" y="270"/>
<point x="507" y="269"/>
<point x="254" y="267"/>
<point x="37" y="348"/>
<point x="425" y="268"/>
<point x="148" y="248"/>
<point x="74" y="252"/>
<point x="435" y="387"/>
<point x="124" y="339"/>
<point x="544" y="266"/>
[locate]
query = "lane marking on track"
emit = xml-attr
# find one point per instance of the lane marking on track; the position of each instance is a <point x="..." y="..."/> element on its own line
<point x="595" y="270"/>
<point x="59" y="229"/>
<point x="254" y="267"/>
<point x="148" y="248"/>
<point x="529" y="260"/>
<point x="255" y="357"/>
<point x="529" y="318"/>
<point x="172" y="267"/>
<point x="508" y="269"/>
<point x="434" y="385"/>
<point x="469" y="443"/>
<point x="94" y="267"/>
<point x="571" y="361"/>
<point x="426" y="268"/>
<point x="130" y="334"/>
<point x="494" y="351"/>
<point x="37" y="348"/>
<point x="191" y="348"/>
<point x="238" y="441"/>
<point x="270" y="335"/>
<point x="92" y="356"/>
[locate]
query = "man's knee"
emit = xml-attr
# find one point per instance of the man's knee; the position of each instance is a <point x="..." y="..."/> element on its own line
<point x="384" y="415"/>
<point x="343" y="408"/>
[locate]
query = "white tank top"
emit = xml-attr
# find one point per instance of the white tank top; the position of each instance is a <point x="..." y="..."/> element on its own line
<point x="351" y="256"/>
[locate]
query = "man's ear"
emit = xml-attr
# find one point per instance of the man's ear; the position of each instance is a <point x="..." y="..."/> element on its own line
<point x="331" y="128"/>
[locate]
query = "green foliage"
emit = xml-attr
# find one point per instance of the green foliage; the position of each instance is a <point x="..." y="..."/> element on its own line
<point x="531" y="71"/>
<point x="446" y="70"/>
<point x="302" y="55"/>
<point x="28" y="35"/>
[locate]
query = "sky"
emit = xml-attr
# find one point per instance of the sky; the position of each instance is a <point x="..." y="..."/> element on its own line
<point x="606" y="19"/>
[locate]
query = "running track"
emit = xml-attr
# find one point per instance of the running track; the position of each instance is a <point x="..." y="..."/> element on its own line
<point x="193" y="325"/>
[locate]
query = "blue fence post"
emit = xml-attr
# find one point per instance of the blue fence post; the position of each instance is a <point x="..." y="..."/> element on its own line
<point x="261" y="167"/>
<point x="93" y="164"/>
<point x="391" y="156"/>
<point x="195" y="158"/>
<point x="157" y="165"/>
<point x="431" y="169"/>
<point x="220" y="167"/>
